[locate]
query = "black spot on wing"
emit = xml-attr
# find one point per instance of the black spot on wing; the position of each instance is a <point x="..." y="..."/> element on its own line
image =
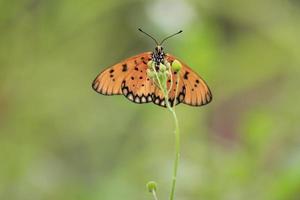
<point x="124" y="68"/>
<point x="185" y="76"/>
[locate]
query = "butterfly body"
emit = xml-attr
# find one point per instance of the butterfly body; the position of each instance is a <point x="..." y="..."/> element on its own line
<point x="158" y="56"/>
<point x="129" y="78"/>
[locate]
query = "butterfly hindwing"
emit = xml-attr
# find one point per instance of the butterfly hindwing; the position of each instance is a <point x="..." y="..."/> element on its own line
<point x="137" y="87"/>
<point x="195" y="90"/>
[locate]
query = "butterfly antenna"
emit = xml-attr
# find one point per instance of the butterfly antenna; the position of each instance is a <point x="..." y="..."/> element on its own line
<point x="149" y="36"/>
<point x="170" y="36"/>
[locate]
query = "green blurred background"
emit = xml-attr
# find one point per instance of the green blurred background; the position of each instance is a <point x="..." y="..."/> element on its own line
<point x="61" y="140"/>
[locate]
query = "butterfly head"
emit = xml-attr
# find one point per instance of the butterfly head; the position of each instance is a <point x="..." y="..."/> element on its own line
<point x="159" y="49"/>
<point x="158" y="54"/>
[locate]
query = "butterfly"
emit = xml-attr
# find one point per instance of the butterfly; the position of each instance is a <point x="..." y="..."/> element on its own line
<point x="129" y="78"/>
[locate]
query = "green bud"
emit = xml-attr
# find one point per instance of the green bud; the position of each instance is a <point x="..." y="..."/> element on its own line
<point x="162" y="67"/>
<point x="150" y="63"/>
<point x="176" y="66"/>
<point x="151" y="186"/>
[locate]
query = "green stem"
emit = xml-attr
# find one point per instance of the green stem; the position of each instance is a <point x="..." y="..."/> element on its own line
<point x="177" y="138"/>
<point x="177" y="150"/>
<point x="154" y="195"/>
<point x="164" y="89"/>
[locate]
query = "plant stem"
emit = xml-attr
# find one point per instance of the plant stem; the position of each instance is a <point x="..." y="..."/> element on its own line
<point x="154" y="195"/>
<point x="164" y="89"/>
<point x="177" y="140"/>
<point x="177" y="150"/>
<point x="177" y="137"/>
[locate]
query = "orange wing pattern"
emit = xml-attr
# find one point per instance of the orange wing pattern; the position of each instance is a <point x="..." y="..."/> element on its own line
<point x="129" y="78"/>
<point x="136" y="86"/>
<point x="192" y="88"/>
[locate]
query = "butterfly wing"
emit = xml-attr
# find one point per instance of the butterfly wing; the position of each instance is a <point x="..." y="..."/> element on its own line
<point x="129" y="78"/>
<point x="137" y="87"/>
<point x="192" y="89"/>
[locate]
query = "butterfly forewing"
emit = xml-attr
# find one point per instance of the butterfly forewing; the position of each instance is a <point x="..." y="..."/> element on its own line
<point x="128" y="78"/>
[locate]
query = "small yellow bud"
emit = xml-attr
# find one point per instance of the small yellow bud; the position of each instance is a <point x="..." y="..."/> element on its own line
<point x="176" y="66"/>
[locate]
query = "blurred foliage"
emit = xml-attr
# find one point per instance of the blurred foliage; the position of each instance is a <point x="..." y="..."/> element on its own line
<point x="61" y="140"/>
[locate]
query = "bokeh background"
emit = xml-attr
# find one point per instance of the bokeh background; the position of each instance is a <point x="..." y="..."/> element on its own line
<point x="61" y="140"/>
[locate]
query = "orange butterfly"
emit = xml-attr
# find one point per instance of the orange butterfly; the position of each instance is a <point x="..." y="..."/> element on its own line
<point x="129" y="78"/>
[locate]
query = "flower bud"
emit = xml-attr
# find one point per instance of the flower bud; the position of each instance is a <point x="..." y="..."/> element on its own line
<point x="151" y="186"/>
<point x="176" y="66"/>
